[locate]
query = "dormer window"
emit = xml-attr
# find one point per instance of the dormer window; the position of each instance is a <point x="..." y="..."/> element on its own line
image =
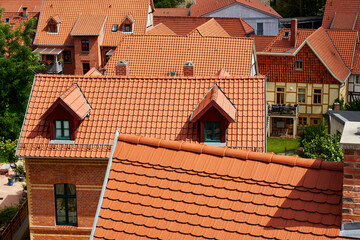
<point x="286" y="34"/>
<point x="53" y="24"/>
<point x="52" y="27"/>
<point x="127" y="28"/>
<point x="115" y="28"/>
<point x="212" y="131"/>
<point x="62" y="129"/>
<point x="127" y="24"/>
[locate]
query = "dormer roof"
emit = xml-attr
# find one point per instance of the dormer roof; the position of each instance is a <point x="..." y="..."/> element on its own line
<point x="55" y="18"/>
<point x="88" y="25"/>
<point x="217" y="99"/>
<point x="72" y="100"/>
<point x="344" y="21"/>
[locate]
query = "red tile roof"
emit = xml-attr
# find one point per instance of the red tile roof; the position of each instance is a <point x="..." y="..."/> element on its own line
<point x="210" y="29"/>
<point x="261" y="42"/>
<point x="345" y="11"/>
<point x="356" y="66"/>
<point x="235" y="27"/>
<point x="159" y="55"/>
<point x="88" y="25"/>
<point x="203" y="7"/>
<point x="150" y="106"/>
<point x="115" y="11"/>
<point x="159" y="189"/>
<point x="17" y="5"/>
<point x="215" y="98"/>
<point x="159" y="29"/>
<point x="93" y="72"/>
<point x="172" y="12"/>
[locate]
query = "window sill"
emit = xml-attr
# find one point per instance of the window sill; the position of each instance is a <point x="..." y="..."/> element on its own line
<point x="85" y="52"/>
<point x="58" y="141"/>
<point x="215" y="144"/>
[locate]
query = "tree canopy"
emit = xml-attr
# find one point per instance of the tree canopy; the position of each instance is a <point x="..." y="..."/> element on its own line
<point x="298" y="8"/>
<point x="167" y="3"/>
<point x="18" y="65"/>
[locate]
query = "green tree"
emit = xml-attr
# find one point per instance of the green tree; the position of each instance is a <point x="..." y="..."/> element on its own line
<point x="353" y="106"/>
<point x="167" y="3"/>
<point x="298" y="8"/>
<point x="18" y="65"/>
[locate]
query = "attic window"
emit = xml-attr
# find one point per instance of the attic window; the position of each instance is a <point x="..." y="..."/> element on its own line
<point x="127" y="28"/>
<point x="212" y="131"/>
<point x="7" y="20"/>
<point x="62" y="129"/>
<point x="299" y="65"/>
<point x="115" y="28"/>
<point x="172" y="74"/>
<point x="52" y="27"/>
<point x="286" y="34"/>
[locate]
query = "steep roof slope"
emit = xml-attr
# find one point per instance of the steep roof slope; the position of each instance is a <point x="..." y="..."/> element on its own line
<point x="180" y="12"/>
<point x="210" y="29"/>
<point x="261" y="42"/>
<point x="159" y="55"/>
<point x="160" y="189"/>
<point x="17" y="5"/>
<point x="68" y="12"/>
<point x="159" y="29"/>
<point x="235" y="27"/>
<point x="342" y="14"/>
<point x="203" y="7"/>
<point x="150" y="106"/>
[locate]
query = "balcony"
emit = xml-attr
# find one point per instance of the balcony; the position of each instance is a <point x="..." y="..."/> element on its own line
<point x="55" y="67"/>
<point x="283" y="110"/>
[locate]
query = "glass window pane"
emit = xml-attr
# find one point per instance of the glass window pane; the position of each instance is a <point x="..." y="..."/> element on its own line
<point x="217" y="131"/>
<point x="59" y="189"/>
<point x="66" y="124"/>
<point x="58" y="133"/>
<point x="66" y="133"/>
<point x="302" y="90"/>
<point x="71" y="189"/>
<point x="60" y="210"/>
<point x="72" y="210"/>
<point x="58" y="124"/>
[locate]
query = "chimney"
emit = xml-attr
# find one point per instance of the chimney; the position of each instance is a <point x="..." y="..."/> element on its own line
<point x="293" y="31"/>
<point x="25" y="12"/>
<point x="122" y="68"/>
<point x="350" y="142"/>
<point x="336" y="106"/>
<point x="188" y="69"/>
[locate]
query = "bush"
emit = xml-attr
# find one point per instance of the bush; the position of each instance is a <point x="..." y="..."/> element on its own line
<point x="324" y="147"/>
<point x="6" y="214"/>
<point x="353" y="106"/>
<point x="7" y="150"/>
<point x="311" y="132"/>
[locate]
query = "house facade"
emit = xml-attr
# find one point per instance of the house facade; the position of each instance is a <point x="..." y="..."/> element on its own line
<point x="73" y="38"/>
<point x="304" y="76"/>
<point x="258" y="15"/>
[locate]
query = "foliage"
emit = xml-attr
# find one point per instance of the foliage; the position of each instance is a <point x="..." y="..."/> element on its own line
<point x="353" y="106"/>
<point x="17" y="67"/>
<point x="278" y="145"/>
<point x="188" y="5"/>
<point x="298" y="8"/>
<point x="311" y="132"/>
<point x="7" y="150"/>
<point x="6" y="214"/>
<point x="20" y="170"/>
<point x="341" y="102"/>
<point x="324" y="147"/>
<point x="167" y="3"/>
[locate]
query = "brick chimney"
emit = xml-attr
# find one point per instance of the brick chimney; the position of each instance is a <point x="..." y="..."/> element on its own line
<point x="189" y="69"/>
<point x="294" y="24"/>
<point x="350" y="142"/>
<point x="25" y="12"/>
<point x="122" y="68"/>
<point x="336" y="106"/>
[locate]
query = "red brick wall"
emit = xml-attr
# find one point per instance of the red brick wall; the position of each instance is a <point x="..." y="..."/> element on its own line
<point x="122" y="70"/>
<point x="188" y="71"/>
<point x="282" y="68"/>
<point x="87" y="175"/>
<point x="351" y="187"/>
<point x="93" y="56"/>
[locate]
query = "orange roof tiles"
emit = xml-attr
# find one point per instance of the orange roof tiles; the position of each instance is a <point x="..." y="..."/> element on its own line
<point x="88" y="25"/>
<point x="180" y="12"/>
<point x="235" y="27"/>
<point x="160" y="29"/>
<point x="261" y="42"/>
<point x="17" y="5"/>
<point x="93" y="72"/>
<point x="215" y="98"/>
<point x="159" y="189"/>
<point x="159" y="55"/>
<point x="340" y="14"/>
<point x="203" y="7"/>
<point x="356" y="66"/>
<point x="210" y="29"/>
<point x="114" y="10"/>
<point x="151" y="106"/>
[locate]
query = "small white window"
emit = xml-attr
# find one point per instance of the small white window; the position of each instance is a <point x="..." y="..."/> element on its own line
<point x="115" y="28"/>
<point x="7" y="20"/>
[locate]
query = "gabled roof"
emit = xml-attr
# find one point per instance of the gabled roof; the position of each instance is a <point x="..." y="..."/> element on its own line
<point x="203" y="7"/>
<point x="160" y="29"/>
<point x="172" y="12"/>
<point x="93" y="72"/>
<point x="235" y="27"/>
<point x="262" y="41"/>
<point x="74" y="101"/>
<point x="159" y="189"/>
<point x="17" y="5"/>
<point x="210" y="29"/>
<point x="55" y="18"/>
<point x="159" y="55"/>
<point x="356" y="66"/>
<point x="88" y="25"/>
<point x="222" y="73"/>
<point x="150" y="106"/>
<point x="217" y="99"/>
<point x="115" y="11"/>
<point x="340" y="14"/>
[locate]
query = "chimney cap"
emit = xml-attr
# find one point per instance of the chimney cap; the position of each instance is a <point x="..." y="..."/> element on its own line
<point x="122" y="62"/>
<point x="189" y="64"/>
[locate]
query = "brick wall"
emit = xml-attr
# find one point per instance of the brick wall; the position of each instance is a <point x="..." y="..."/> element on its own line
<point x="282" y="68"/>
<point x="351" y="187"/>
<point x="93" y="56"/>
<point x="188" y="70"/>
<point x="42" y="174"/>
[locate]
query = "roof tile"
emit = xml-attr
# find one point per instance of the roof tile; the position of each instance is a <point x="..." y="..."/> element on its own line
<point x="88" y="25"/>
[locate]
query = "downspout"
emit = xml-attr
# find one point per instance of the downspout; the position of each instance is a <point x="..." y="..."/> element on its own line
<point x="106" y="179"/>
<point x="265" y="115"/>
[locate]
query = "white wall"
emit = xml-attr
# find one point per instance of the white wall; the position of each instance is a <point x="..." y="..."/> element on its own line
<point x="353" y="86"/>
<point x="149" y="21"/>
<point x="251" y="16"/>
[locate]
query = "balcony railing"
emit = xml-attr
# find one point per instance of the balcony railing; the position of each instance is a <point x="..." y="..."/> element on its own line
<point x="55" y="67"/>
<point x="283" y="110"/>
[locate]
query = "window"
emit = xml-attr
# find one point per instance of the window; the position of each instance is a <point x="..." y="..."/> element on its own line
<point x="357" y="79"/>
<point x="212" y="131"/>
<point x="67" y="56"/>
<point x="315" y="121"/>
<point x="317" y="96"/>
<point x="115" y="28"/>
<point x="52" y="26"/>
<point x="86" y="67"/>
<point x="127" y="28"/>
<point x="65" y="204"/>
<point x="259" y="29"/>
<point x="301" y="95"/>
<point x="172" y="74"/>
<point x="286" y="34"/>
<point x="62" y="129"/>
<point x="299" y="65"/>
<point x="280" y="96"/>
<point x="85" y="45"/>
<point x="302" y="121"/>
<point x="7" y="20"/>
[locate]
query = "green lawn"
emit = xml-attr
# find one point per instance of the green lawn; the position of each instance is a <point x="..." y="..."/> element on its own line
<point x="277" y="145"/>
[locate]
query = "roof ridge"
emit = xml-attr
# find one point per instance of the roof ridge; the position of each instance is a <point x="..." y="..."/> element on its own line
<point x="234" y="153"/>
<point x="186" y="36"/>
